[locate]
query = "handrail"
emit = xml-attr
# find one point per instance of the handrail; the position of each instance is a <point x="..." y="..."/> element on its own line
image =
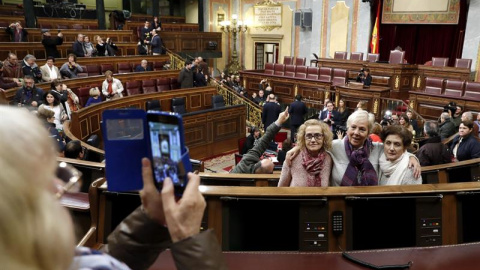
<point x="231" y="97"/>
<point x="176" y="61"/>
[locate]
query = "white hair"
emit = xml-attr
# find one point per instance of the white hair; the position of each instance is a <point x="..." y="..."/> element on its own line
<point x="360" y="115"/>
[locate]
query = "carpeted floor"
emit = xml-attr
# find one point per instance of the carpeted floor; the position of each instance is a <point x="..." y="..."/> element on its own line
<point x="220" y="164"/>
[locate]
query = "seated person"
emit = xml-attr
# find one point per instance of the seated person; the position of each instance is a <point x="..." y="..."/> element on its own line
<point x="282" y="154"/>
<point x="143" y="66"/>
<point x="94" y="97"/>
<point x="251" y="162"/>
<point x="162" y="222"/>
<point x="28" y="95"/>
<point x="311" y="168"/>
<point x="465" y="146"/>
<point x="31" y="68"/>
<point x="7" y="83"/>
<point x="432" y="151"/>
<point x="112" y="88"/>
<point x="74" y="150"/>
<point x="71" y="69"/>
<point x="395" y="158"/>
<point x="252" y="140"/>
<point x="49" y="71"/>
<point x="447" y="127"/>
<point x="365" y="77"/>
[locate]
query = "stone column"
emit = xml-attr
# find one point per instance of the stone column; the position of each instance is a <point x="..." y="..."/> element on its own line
<point x="101" y="14"/>
<point x="30" y="19"/>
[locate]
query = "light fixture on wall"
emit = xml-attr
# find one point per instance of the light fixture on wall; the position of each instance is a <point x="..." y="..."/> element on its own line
<point x="234" y="27"/>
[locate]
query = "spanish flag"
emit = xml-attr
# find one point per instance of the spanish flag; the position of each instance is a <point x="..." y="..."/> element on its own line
<point x="375" y="32"/>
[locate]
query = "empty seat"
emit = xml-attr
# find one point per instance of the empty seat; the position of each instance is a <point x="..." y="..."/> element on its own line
<point x="340" y="55"/>
<point x="439" y="62"/>
<point x="325" y="74"/>
<point x="93" y="70"/>
<point x="133" y="87"/>
<point x="83" y="94"/>
<point x="463" y="63"/>
<point x="288" y="60"/>
<point x="174" y="83"/>
<point x="356" y="56"/>
<point x="163" y="84"/>
<point x="300" y="61"/>
<point x="217" y="101"/>
<point x="301" y="72"/>
<point x="124" y="68"/>
<point x="62" y="26"/>
<point x="149" y="86"/>
<point x="158" y="65"/>
<point x="339" y="76"/>
<point x="433" y="85"/>
<point x="269" y="68"/>
<point x="178" y="105"/>
<point x="396" y="57"/>
<point x="472" y="90"/>
<point x="290" y="70"/>
<point x="373" y="57"/>
<point x="153" y="105"/>
<point x="279" y="69"/>
<point x="77" y="26"/>
<point x="105" y="67"/>
<point x="454" y="88"/>
<point x="312" y="73"/>
<point x="83" y="73"/>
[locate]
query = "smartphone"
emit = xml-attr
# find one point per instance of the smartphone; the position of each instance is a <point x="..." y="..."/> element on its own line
<point x="126" y="143"/>
<point x="168" y="152"/>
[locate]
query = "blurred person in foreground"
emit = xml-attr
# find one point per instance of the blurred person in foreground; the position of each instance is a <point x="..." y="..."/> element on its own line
<point x="37" y="232"/>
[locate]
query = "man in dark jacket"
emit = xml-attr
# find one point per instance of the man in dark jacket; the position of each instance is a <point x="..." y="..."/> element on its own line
<point x="433" y="151"/>
<point x="156" y="43"/>
<point x="447" y="128"/>
<point x="185" y="78"/>
<point x="50" y="43"/>
<point x="78" y="48"/>
<point x="7" y="84"/>
<point x="17" y="32"/>
<point x="29" y="95"/>
<point x="251" y="162"/>
<point x="31" y="68"/>
<point x="270" y="112"/>
<point x="297" y="111"/>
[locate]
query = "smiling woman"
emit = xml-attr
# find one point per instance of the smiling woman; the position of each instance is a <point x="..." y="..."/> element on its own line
<point x="394" y="161"/>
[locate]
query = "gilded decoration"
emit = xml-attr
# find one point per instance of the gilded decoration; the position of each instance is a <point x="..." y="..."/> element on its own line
<point x="414" y="81"/>
<point x="375" y="106"/>
<point x="424" y="12"/>
<point x="267" y="15"/>
<point x="412" y="104"/>
<point x="397" y="82"/>
<point x="419" y="83"/>
<point x="296" y="89"/>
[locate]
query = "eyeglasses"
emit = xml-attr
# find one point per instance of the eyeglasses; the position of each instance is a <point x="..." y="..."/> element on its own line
<point x="317" y="136"/>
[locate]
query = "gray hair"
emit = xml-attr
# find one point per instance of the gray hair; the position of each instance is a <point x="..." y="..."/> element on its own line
<point x="468" y="115"/>
<point x="431" y="128"/>
<point x="360" y="115"/>
<point x="29" y="56"/>
<point x="445" y="115"/>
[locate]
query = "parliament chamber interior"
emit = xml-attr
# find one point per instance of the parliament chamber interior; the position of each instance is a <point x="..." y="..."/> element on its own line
<point x="392" y="57"/>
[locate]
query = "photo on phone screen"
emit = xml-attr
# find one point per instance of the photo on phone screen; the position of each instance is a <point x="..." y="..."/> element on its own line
<point x="166" y="152"/>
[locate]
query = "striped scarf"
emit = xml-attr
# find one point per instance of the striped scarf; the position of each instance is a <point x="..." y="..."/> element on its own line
<point x="360" y="171"/>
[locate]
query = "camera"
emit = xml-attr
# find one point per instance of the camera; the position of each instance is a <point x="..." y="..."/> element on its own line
<point x="452" y="107"/>
<point x="341" y="128"/>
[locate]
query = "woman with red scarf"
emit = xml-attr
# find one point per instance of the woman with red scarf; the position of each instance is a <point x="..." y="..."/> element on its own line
<point x="311" y="168"/>
<point x="112" y="88"/>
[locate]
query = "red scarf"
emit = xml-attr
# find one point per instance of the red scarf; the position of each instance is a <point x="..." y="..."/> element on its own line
<point x="110" y="90"/>
<point x="313" y="166"/>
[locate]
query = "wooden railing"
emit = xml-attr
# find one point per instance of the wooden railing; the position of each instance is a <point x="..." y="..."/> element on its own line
<point x="70" y="35"/>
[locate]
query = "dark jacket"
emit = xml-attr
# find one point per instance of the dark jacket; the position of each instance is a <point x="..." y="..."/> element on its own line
<point x="247" y="164"/>
<point x="343" y="117"/>
<point x="270" y="113"/>
<point x="185" y="78"/>
<point x="156" y="44"/>
<point x="78" y="49"/>
<point x="139" y="68"/>
<point x="138" y="241"/>
<point x="249" y="143"/>
<point x="50" y="44"/>
<point x="335" y="117"/>
<point x="101" y="48"/>
<point x="297" y="111"/>
<point x="33" y="71"/>
<point x="433" y="152"/>
<point x="10" y="71"/>
<point x="23" y="34"/>
<point x="469" y="148"/>
<point x="446" y="129"/>
<point x="26" y="97"/>
<point x="6" y="83"/>
<point x="259" y="99"/>
<point x="200" y="80"/>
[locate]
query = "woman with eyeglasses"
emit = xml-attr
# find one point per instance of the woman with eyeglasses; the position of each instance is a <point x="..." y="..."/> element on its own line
<point x="355" y="157"/>
<point x="311" y="168"/>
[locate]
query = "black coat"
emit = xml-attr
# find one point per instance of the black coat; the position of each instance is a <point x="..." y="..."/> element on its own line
<point x="469" y="148"/>
<point x="335" y="117"/>
<point x="50" y="44"/>
<point x="297" y="111"/>
<point x="78" y="49"/>
<point x="433" y="152"/>
<point x="26" y="97"/>
<point x="270" y="113"/>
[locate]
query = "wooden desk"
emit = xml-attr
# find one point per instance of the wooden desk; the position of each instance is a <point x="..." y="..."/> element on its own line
<point x="461" y="74"/>
<point x="70" y="35"/>
<point x="353" y="94"/>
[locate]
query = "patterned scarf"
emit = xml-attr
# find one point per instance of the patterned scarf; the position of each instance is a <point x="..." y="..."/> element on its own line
<point x="313" y="166"/>
<point x="360" y="171"/>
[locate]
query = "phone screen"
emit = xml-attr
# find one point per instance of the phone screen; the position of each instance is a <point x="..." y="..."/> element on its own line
<point x="166" y="150"/>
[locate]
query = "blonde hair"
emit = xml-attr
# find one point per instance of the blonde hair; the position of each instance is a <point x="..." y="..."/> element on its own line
<point x="94" y="92"/>
<point x="327" y="134"/>
<point x="37" y="232"/>
<point x="45" y="113"/>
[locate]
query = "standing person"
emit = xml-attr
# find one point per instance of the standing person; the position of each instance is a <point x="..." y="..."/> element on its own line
<point x="343" y="112"/>
<point x="200" y="78"/>
<point x="12" y="70"/>
<point x="145" y="32"/>
<point x="156" y="23"/>
<point x="49" y="71"/>
<point x="433" y="151"/>
<point x="112" y="88"/>
<point x="78" y="46"/>
<point x="8" y="83"/>
<point x="50" y="43"/>
<point x="447" y="128"/>
<point x="465" y="146"/>
<point x="394" y="160"/>
<point x="156" y="43"/>
<point x="203" y="65"/>
<point x="28" y="95"/>
<point x="403" y="121"/>
<point x="297" y="112"/>
<point x="456" y="118"/>
<point x="17" y="32"/>
<point x="185" y="78"/>
<point x="270" y="112"/>
<point x="413" y="122"/>
<point x="67" y="97"/>
<point x="31" y="68"/>
<point x="311" y="168"/>
<point x="260" y="99"/>
<point x="71" y="69"/>
<point x="330" y="116"/>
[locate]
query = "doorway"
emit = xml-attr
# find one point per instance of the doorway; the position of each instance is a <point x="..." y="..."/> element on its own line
<point x="265" y="53"/>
